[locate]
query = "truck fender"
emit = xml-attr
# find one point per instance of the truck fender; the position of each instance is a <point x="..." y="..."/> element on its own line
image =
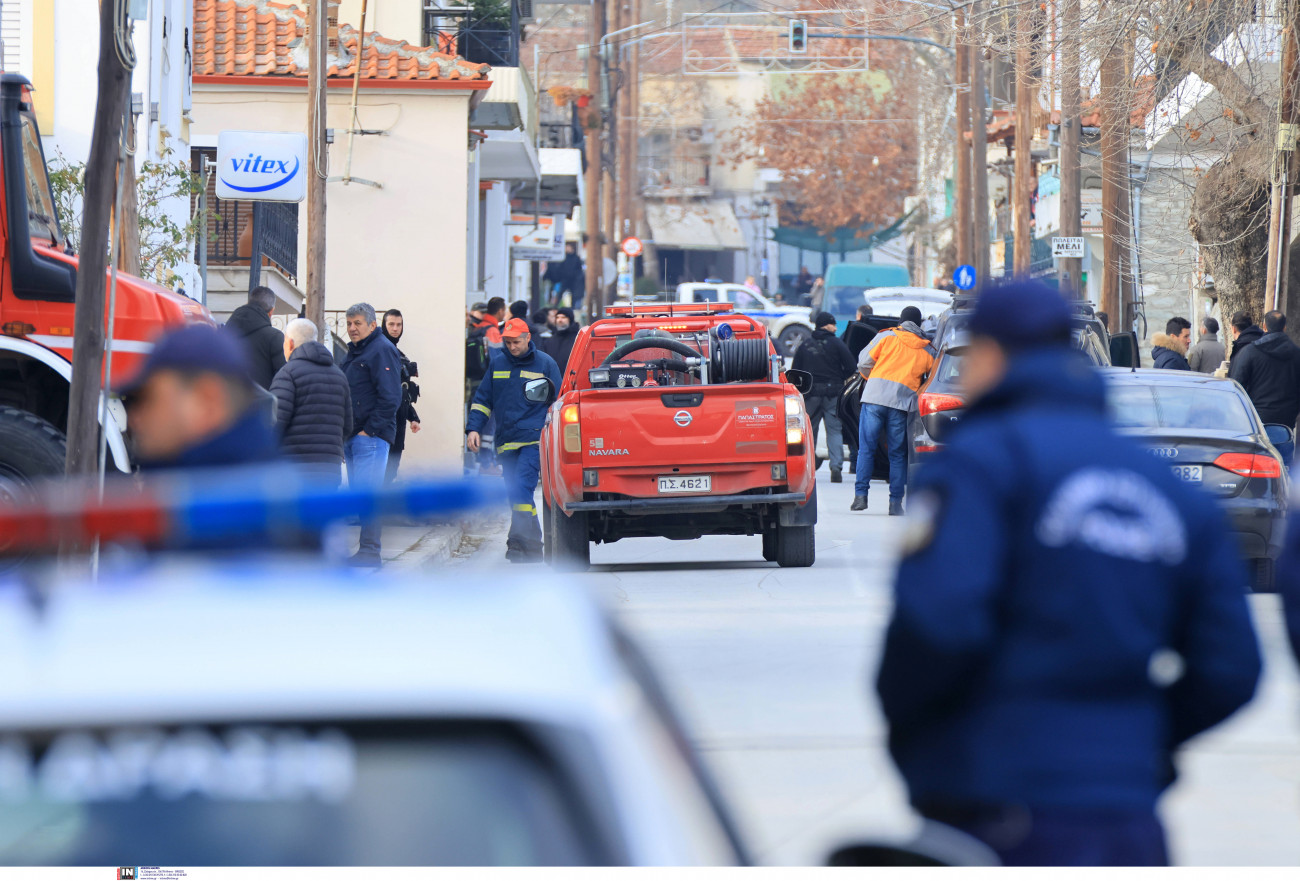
<point x="801" y="515"/>
<point x="118" y="455"/>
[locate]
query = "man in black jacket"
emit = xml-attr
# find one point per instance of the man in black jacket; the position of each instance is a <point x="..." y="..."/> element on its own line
<point x="313" y="403"/>
<point x="251" y="324"/>
<point x="394" y="326"/>
<point x="1244" y="332"/>
<point x="1269" y="371"/>
<point x="830" y="362"/>
<point x="560" y="343"/>
<point x="374" y="372"/>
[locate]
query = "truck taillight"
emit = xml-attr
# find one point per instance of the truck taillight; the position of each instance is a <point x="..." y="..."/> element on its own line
<point x="572" y="431"/>
<point x="1250" y="464"/>
<point x="933" y="403"/>
<point x="794" y="425"/>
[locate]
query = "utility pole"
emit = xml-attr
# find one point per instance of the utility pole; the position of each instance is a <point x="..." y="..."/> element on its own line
<point x="116" y="59"/>
<point x="963" y="198"/>
<point x="1279" y="238"/>
<point x="1117" y="280"/>
<point x="610" y="192"/>
<point x="1022" y="190"/>
<point x="317" y="163"/>
<point x="979" y="147"/>
<point x="1071" y="268"/>
<point x="631" y="142"/>
<point x="591" y="207"/>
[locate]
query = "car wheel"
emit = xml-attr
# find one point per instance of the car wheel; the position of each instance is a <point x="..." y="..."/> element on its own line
<point x="572" y="551"/>
<point x="792" y="338"/>
<point x="795" y="546"/>
<point x="769" y="545"/>
<point x="1261" y="575"/>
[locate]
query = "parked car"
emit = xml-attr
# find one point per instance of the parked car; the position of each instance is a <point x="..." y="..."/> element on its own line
<point x="843" y="302"/>
<point x="789" y="326"/>
<point x="1211" y="435"/>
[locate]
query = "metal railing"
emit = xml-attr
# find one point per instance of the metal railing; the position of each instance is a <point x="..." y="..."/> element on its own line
<point x="674" y="172"/>
<point x="233" y="235"/>
<point x="275" y="238"/>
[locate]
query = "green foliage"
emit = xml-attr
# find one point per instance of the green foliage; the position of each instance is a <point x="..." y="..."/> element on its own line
<point x="645" y="287"/>
<point x="164" y="243"/>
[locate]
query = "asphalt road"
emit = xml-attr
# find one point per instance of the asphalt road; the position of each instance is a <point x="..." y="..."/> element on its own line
<point x="771" y="668"/>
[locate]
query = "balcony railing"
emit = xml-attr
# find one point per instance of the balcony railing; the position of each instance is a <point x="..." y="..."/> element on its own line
<point x="674" y="173"/>
<point x="234" y="236"/>
<point x="492" y="40"/>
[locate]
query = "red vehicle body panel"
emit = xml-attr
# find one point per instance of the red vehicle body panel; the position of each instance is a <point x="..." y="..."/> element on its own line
<point x="629" y="437"/>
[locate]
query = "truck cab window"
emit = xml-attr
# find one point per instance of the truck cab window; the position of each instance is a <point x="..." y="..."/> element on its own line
<point x="40" y="198"/>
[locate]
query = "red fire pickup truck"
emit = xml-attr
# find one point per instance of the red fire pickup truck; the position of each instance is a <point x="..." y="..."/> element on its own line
<point x="677" y="420"/>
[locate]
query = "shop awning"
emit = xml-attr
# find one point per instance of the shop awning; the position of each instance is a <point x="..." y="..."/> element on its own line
<point x="845" y="238"/>
<point x="695" y="226"/>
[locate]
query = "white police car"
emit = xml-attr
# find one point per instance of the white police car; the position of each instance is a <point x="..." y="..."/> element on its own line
<point x="789" y="326"/>
<point x="280" y="713"/>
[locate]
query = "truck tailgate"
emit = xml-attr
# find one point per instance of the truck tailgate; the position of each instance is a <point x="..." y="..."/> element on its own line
<point x="683" y="426"/>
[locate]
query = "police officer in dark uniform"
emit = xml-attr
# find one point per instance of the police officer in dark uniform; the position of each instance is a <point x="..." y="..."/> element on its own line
<point x="519" y="430"/>
<point x="1067" y="613"/>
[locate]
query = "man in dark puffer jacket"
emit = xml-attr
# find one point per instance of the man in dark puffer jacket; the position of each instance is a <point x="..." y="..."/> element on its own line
<point x="251" y="325"/>
<point x="313" y="403"/>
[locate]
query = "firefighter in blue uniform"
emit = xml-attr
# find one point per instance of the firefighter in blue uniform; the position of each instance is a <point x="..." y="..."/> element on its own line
<point x="519" y="429"/>
<point x="1067" y="613"/>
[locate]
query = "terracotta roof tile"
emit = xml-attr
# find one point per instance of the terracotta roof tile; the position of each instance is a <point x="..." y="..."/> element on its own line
<point x="265" y="38"/>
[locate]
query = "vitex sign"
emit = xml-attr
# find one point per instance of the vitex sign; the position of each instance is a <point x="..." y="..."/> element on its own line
<point x="262" y="166"/>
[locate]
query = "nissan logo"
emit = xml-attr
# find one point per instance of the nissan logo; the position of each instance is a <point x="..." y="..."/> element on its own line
<point x="1165" y="452"/>
<point x="682" y="418"/>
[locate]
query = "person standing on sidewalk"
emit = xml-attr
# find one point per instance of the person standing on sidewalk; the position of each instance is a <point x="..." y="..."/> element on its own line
<point x="1169" y="349"/>
<point x="251" y="325"/>
<point x="1208" y="353"/>
<point x="893" y="365"/>
<point x="374" y="372"/>
<point x="313" y="403"/>
<point x="394" y="326"/>
<point x="1269" y="371"/>
<point x="519" y="431"/>
<point x="1067" y="613"/>
<point x="830" y="362"/>
<point x="1244" y="332"/>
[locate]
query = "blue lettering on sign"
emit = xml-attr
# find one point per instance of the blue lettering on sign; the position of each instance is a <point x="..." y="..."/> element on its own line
<point x="259" y="165"/>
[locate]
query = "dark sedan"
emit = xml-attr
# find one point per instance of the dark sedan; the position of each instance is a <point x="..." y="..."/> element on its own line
<point x="1208" y="431"/>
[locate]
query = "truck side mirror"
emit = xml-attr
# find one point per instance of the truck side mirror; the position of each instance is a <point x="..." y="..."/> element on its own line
<point x="801" y="380"/>
<point x="539" y="391"/>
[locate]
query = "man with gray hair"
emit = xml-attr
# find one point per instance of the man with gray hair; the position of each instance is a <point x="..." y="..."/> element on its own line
<point x="374" y="373"/>
<point x="251" y="325"/>
<point x="313" y="403"/>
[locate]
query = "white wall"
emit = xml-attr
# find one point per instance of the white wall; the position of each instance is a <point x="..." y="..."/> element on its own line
<point x="402" y="246"/>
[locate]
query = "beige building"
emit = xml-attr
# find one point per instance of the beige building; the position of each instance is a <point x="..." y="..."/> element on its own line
<point x="397" y="234"/>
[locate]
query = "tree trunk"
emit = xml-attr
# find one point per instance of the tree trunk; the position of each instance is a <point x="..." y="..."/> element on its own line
<point x="1230" y="221"/>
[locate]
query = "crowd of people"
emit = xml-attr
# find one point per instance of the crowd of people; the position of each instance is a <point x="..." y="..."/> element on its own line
<point x="248" y="393"/>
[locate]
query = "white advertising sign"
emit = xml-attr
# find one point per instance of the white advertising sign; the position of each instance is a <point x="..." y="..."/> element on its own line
<point x="262" y="166"/>
<point x="543" y="240"/>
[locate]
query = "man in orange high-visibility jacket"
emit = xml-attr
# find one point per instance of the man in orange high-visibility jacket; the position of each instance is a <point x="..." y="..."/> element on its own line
<point x="893" y="366"/>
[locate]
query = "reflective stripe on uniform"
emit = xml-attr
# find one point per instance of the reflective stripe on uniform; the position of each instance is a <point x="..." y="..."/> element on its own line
<point x="486" y="411"/>
<point x="528" y="374"/>
<point x="500" y="374"/>
<point x="515" y="445"/>
<point x="525" y="509"/>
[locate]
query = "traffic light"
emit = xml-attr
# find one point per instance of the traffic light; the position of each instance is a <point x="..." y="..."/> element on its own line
<point x="798" y="35"/>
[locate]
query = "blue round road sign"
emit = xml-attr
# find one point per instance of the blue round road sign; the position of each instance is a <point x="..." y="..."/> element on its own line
<point x="964" y="277"/>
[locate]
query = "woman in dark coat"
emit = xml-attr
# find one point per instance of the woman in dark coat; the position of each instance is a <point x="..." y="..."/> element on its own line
<point x="393" y="327"/>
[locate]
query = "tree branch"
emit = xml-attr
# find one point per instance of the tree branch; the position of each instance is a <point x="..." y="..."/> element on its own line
<point x="1197" y="58"/>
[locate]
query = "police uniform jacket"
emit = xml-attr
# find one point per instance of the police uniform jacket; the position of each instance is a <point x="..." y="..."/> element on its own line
<point x="1067" y="611"/>
<point x="519" y="421"/>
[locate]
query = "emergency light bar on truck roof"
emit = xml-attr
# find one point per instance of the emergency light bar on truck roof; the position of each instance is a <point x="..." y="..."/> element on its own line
<point x="668" y="310"/>
<point x="262" y="506"/>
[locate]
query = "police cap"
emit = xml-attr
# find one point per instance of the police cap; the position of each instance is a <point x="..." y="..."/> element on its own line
<point x="1022" y="314"/>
